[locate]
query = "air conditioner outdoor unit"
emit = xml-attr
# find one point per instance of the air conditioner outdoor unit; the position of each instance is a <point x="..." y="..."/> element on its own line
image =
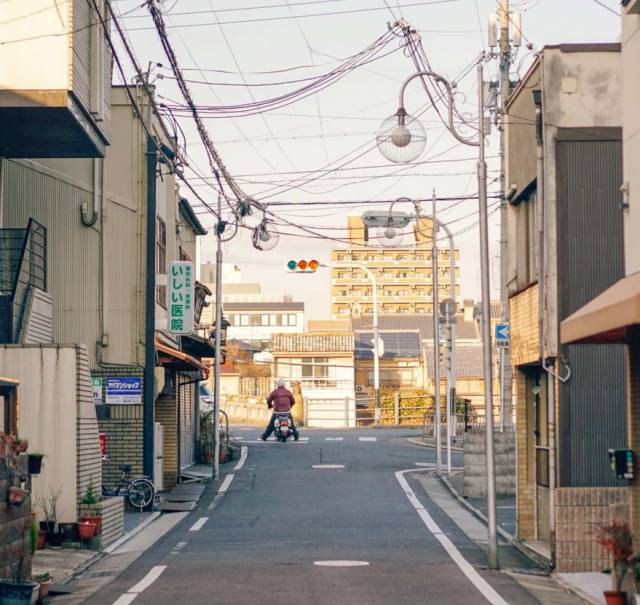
<point x="361" y="389"/>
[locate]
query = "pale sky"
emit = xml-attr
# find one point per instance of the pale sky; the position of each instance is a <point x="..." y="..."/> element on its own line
<point x="227" y="43"/>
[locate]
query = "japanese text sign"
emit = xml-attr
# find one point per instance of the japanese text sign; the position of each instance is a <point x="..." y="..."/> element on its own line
<point x="181" y="297"/>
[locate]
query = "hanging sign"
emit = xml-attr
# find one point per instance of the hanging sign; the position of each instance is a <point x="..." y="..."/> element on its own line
<point x="181" y="297"/>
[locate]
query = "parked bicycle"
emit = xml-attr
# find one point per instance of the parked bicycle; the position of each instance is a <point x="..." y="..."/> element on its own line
<point x="140" y="492"/>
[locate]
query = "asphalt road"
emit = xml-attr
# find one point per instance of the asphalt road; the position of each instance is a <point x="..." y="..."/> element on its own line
<point x="261" y="541"/>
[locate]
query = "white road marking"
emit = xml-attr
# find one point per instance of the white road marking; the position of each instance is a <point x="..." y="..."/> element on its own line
<point x="303" y="439"/>
<point x="226" y="483"/>
<point x="333" y="438"/>
<point x="244" y="451"/>
<point x="367" y="439"/>
<point x="432" y="465"/>
<point x="197" y="526"/>
<point x="125" y="599"/>
<point x="341" y="563"/>
<point x="328" y="466"/>
<point x="270" y="441"/>
<point x="150" y="578"/>
<point x="178" y="547"/>
<point x="487" y="591"/>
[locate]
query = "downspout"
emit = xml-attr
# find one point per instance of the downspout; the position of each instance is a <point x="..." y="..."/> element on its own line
<point x="150" y="310"/>
<point x="93" y="219"/>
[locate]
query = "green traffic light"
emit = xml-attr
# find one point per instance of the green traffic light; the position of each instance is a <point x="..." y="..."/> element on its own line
<point x="291" y="265"/>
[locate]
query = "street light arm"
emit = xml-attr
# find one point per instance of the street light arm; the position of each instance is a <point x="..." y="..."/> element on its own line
<point x="447" y="85"/>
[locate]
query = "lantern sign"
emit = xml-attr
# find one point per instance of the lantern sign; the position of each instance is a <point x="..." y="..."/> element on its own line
<point x="181" y="297"/>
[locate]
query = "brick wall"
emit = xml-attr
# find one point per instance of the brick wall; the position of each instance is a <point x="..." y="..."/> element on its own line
<point x="524" y="481"/>
<point x="524" y="327"/>
<point x="580" y="511"/>
<point x="123" y="428"/>
<point x="15" y="521"/>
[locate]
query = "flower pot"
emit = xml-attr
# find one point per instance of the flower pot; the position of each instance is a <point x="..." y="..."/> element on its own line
<point x="42" y="539"/>
<point x="43" y="590"/>
<point x="97" y="521"/>
<point x="615" y="597"/>
<point x="86" y="529"/>
<point x="17" y="593"/>
<point x="17" y="495"/>
<point x="55" y="539"/>
<point x="35" y="464"/>
<point x="69" y="532"/>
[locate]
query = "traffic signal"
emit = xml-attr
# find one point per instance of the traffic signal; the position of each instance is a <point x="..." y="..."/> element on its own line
<point x="303" y="266"/>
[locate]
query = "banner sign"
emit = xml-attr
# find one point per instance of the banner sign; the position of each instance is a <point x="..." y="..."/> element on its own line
<point x="96" y="386"/>
<point x="124" y="391"/>
<point x="181" y="297"/>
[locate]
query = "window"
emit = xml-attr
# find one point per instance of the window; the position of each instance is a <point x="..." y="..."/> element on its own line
<point x="244" y="320"/>
<point x="255" y="320"/>
<point x="526" y="250"/>
<point x="161" y="260"/>
<point x="264" y="320"/>
<point x="293" y="319"/>
<point x="316" y="372"/>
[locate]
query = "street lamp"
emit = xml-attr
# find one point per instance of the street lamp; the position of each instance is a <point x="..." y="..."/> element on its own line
<point x="396" y="136"/>
<point x="388" y="224"/>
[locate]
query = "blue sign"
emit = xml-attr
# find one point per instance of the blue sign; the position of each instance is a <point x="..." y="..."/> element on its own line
<point x="124" y="391"/>
<point x="503" y="333"/>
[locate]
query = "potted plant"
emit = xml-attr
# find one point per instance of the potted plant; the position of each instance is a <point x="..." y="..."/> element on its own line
<point x="49" y="507"/>
<point x="617" y="541"/>
<point x="634" y="570"/>
<point x="86" y="529"/>
<point x="89" y="502"/>
<point x="20" y="445"/>
<point x="19" y="590"/>
<point x="35" y="462"/>
<point x="44" y="583"/>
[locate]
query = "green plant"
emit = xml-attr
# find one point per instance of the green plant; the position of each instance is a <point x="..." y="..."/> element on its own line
<point x="90" y="496"/>
<point x="617" y="541"/>
<point x="43" y="577"/>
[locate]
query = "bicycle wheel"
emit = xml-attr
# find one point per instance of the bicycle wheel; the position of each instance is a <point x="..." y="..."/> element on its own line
<point x="140" y="493"/>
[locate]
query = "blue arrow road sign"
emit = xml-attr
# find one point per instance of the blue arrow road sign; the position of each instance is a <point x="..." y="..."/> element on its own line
<point x="502" y="332"/>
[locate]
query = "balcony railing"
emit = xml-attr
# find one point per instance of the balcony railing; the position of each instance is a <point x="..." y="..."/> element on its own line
<point x="23" y="265"/>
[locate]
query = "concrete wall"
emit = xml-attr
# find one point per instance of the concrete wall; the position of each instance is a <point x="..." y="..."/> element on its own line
<point x="475" y="470"/>
<point x="631" y="137"/>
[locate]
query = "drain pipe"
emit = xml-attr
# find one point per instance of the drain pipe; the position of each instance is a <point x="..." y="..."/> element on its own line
<point x="93" y="219"/>
<point x="150" y="310"/>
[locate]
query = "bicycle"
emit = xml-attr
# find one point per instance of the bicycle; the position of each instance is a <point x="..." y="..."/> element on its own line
<point x="140" y="492"/>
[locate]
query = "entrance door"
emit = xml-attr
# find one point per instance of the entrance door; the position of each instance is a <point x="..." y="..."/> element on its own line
<point x="186" y="410"/>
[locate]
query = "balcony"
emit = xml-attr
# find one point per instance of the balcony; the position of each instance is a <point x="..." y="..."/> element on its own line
<point x="58" y="105"/>
<point x="25" y="306"/>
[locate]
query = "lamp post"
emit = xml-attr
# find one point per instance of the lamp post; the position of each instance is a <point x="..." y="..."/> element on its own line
<point x="376" y="341"/>
<point x="388" y="223"/>
<point x="402" y="139"/>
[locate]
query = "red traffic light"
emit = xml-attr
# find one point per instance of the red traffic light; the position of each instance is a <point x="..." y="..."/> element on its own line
<point x="313" y="264"/>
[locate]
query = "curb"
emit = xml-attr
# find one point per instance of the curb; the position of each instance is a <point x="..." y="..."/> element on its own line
<point x="130" y="534"/>
<point x="576" y="591"/>
<point x="414" y="440"/>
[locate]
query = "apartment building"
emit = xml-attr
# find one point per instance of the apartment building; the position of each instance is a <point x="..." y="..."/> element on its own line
<point x="403" y="275"/>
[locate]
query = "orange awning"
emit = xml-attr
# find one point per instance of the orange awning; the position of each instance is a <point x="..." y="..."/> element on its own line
<point x="606" y="318"/>
<point x="183" y="357"/>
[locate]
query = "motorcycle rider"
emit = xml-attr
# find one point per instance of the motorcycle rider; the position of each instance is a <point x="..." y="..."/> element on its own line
<point x="281" y="400"/>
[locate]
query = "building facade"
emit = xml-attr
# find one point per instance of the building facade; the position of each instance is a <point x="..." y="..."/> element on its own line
<point x="403" y="274"/>
<point x="564" y="162"/>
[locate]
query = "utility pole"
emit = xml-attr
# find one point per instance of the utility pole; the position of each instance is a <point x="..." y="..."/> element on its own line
<point x="506" y="396"/>
<point x="436" y="335"/>
<point x="218" y="348"/>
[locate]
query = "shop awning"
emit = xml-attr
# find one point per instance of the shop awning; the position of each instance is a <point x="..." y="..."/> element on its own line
<point x="606" y="318"/>
<point x="179" y="357"/>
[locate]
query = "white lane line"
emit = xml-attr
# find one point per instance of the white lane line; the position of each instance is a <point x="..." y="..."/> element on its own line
<point x="333" y="438"/>
<point x="244" y="451"/>
<point x="197" y="526"/>
<point x="367" y="439"/>
<point x="303" y="439"/>
<point x="465" y="567"/>
<point x="226" y="483"/>
<point x="150" y="578"/>
<point x="341" y="563"/>
<point x="328" y="466"/>
<point x="125" y="599"/>
<point x="178" y="547"/>
<point x="271" y="441"/>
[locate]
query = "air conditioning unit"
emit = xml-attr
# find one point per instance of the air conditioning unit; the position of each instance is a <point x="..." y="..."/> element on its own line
<point x="361" y="389"/>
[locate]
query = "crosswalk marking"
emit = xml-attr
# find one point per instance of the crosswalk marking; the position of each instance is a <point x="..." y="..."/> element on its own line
<point x="367" y="439"/>
<point x="333" y="439"/>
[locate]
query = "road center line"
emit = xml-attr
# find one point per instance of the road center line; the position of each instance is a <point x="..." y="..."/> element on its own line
<point x="244" y="451"/>
<point x="367" y="439"/>
<point x="226" y="483"/>
<point x="487" y="591"/>
<point x="197" y="526"/>
<point x="125" y="599"/>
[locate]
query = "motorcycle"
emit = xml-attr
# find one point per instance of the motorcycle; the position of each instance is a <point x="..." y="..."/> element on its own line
<point x="282" y="427"/>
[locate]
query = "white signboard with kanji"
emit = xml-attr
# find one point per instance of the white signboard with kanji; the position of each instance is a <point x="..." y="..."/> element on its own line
<point x="181" y="297"/>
